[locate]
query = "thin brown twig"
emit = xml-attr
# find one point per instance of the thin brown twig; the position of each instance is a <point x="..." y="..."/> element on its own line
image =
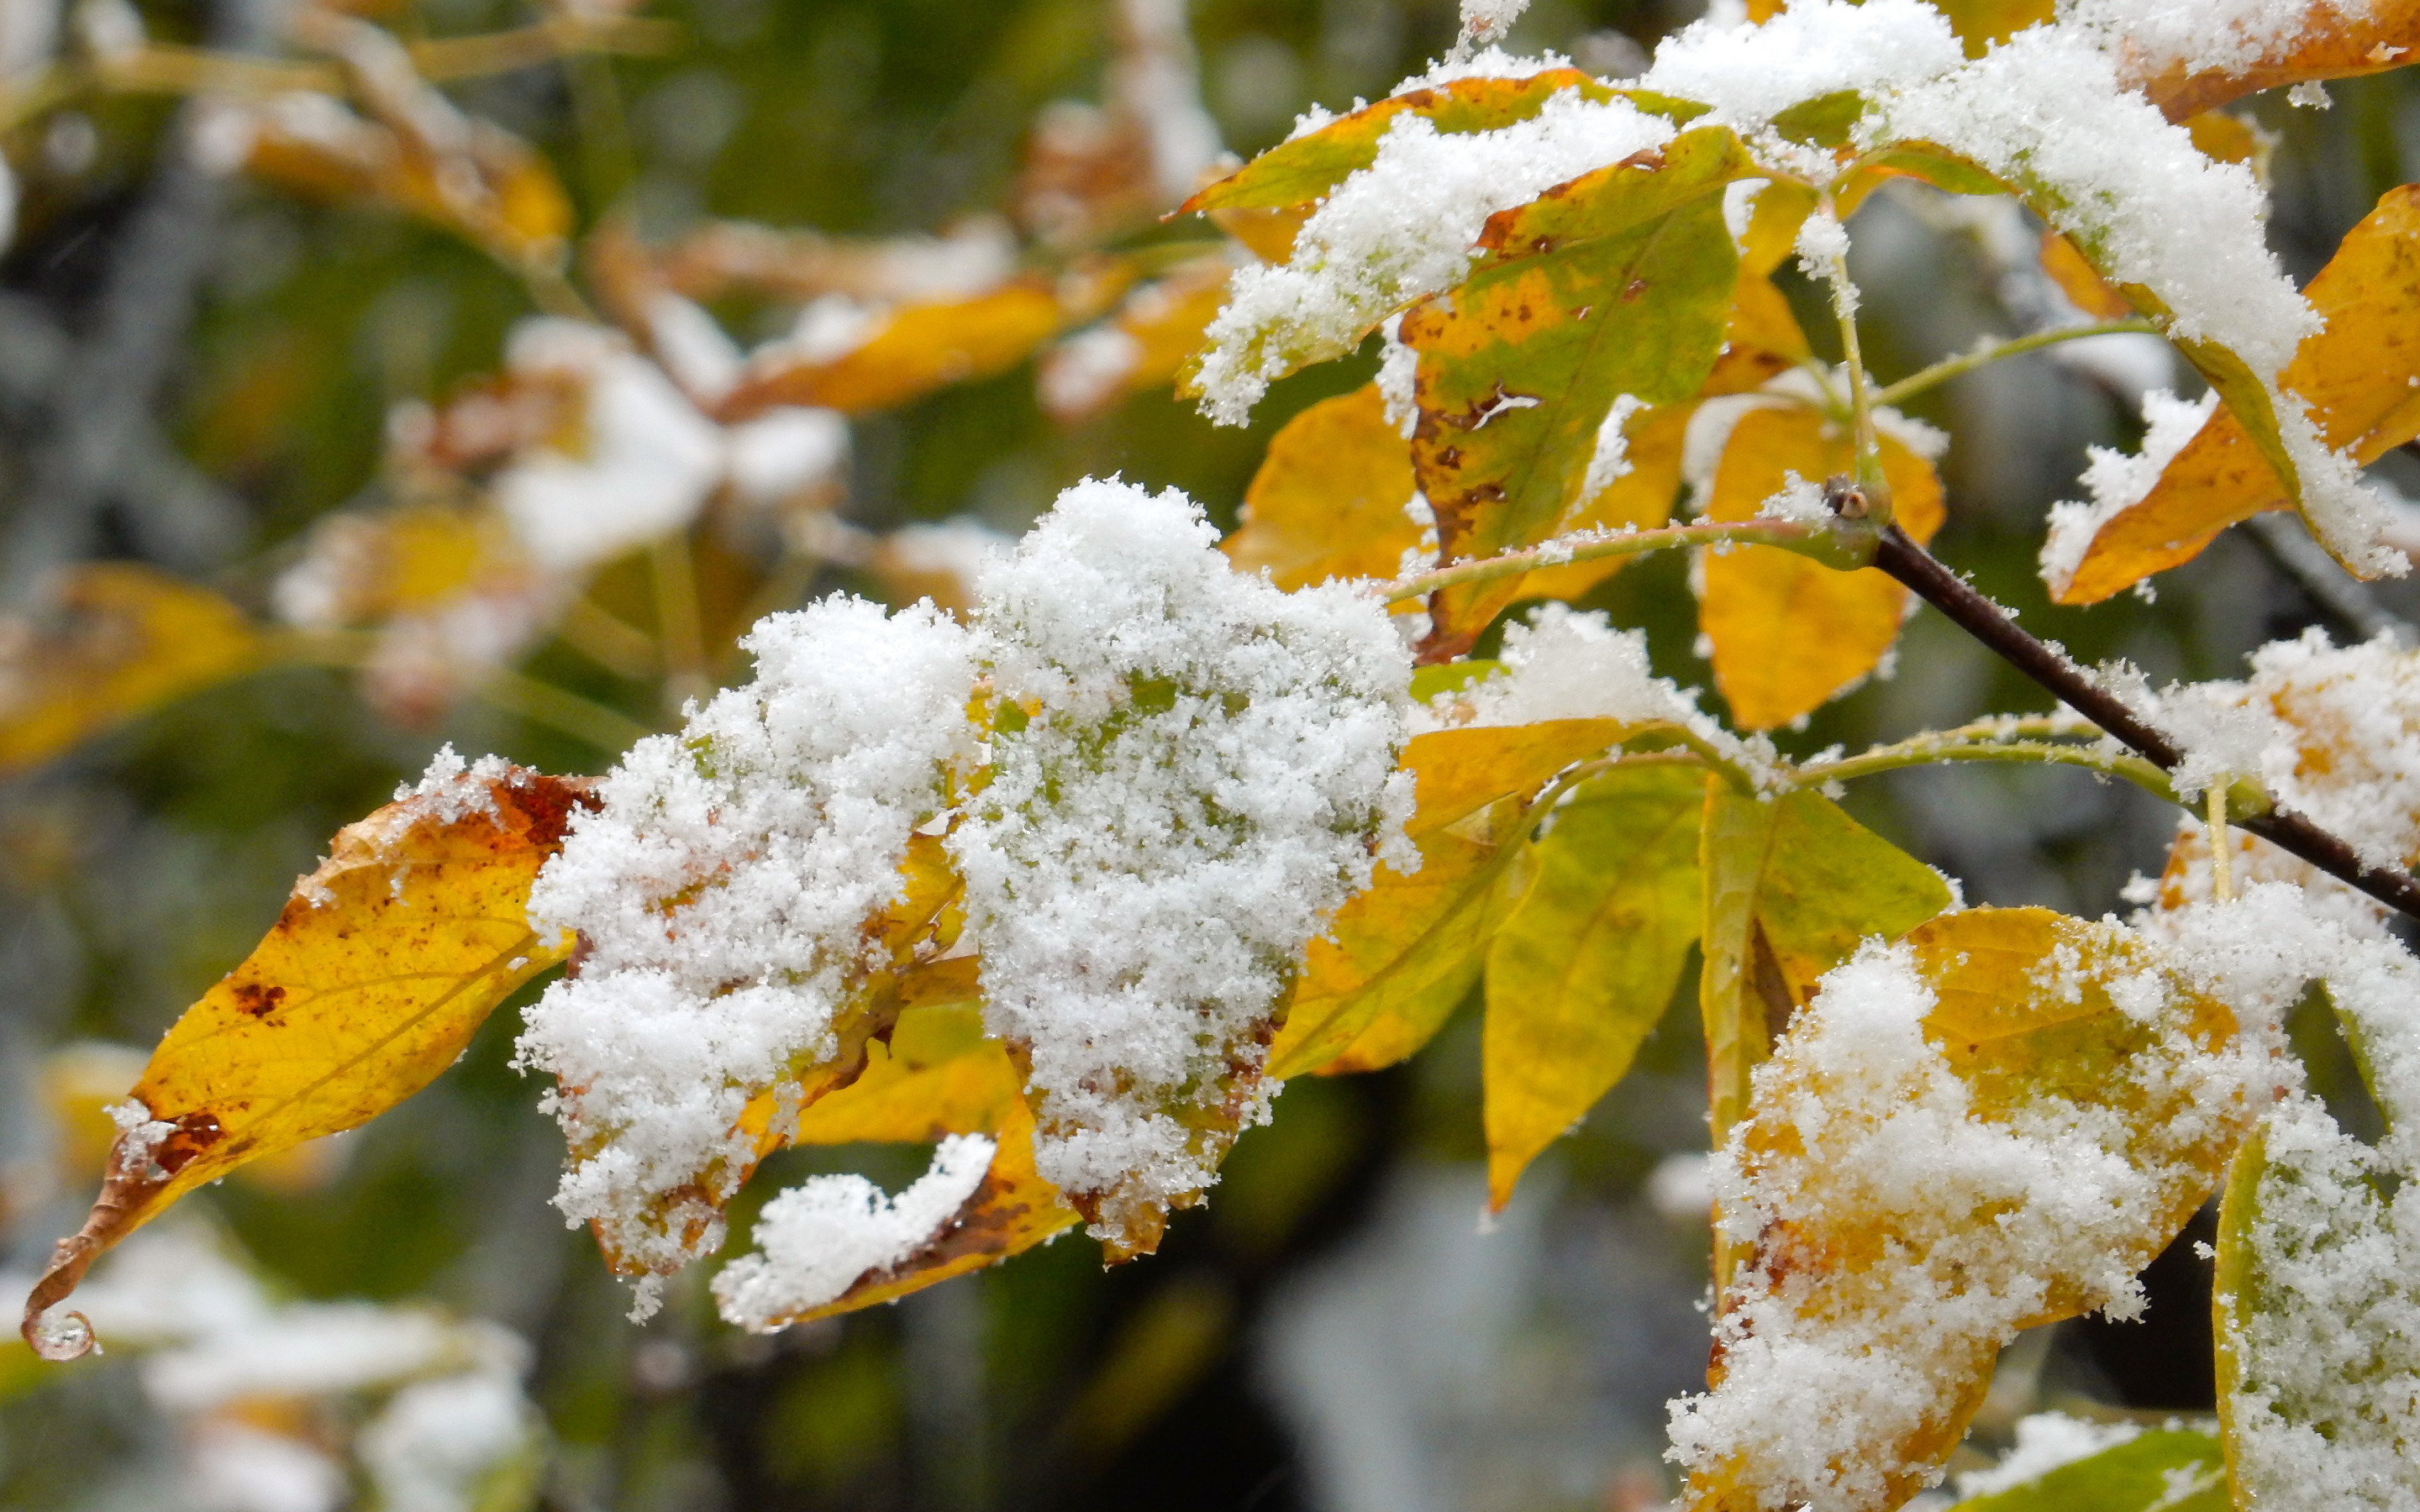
<point x="1922" y="572"/>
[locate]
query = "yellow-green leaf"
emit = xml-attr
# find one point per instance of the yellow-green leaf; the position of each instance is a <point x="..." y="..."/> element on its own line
<point x="1410" y="948"/>
<point x="1456" y="773"/>
<point x="2163" y="1470"/>
<point x="1331" y="498"/>
<point x="2360" y="375"/>
<point x="1829" y="883"/>
<point x="119" y="641"/>
<point x="1303" y="170"/>
<point x="1618" y="283"/>
<point x="382" y="966"/>
<point x="1585" y="961"/>
<point x="1789" y="632"/>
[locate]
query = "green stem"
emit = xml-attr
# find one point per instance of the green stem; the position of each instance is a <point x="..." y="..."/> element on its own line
<point x="1870" y="480"/>
<point x="1781" y="533"/>
<point x="1926" y="752"/>
<point x="1950" y="367"/>
<point x="607" y="730"/>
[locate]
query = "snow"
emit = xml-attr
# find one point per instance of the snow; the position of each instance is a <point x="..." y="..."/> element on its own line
<point x="723" y="888"/>
<point x="2153" y="37"/>
<point x="1397" y="230"/>
<point x="817" y="1240"/>
<point x="1752" y="73"/>
<point x="786" y="452"/>
<point x="1610" y="461"/>
<point x="641" y="465"/>
<point x="1207" y="773"/>
<point x="440" y="1444"/>
<point x="2045" y="1442"/>
<point x="1994" y="1214"/>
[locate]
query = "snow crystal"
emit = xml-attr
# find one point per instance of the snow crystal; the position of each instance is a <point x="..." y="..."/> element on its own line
<point x="2155" y="37"/>
<point x="722" y="889"/>
<point x="1610" y="461"/>
<point x="2045" y="1442"/>
<point x="2118" y="482"/>
<point x="1206" y="772"/>
<point x="1088" y="369"/>
<point x="230" y="1466"/>
<point x="1397" y="230"/>
<point x="1750" y="73"/>
<point x="785" y="452"/>
<point x="1399" y="369"/>
<point x="816" y="1240"/>
<point x="1862" y="1123"/>
<point x="696" y="351"/>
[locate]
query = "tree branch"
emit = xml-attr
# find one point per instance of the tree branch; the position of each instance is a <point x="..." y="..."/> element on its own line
<point x="1922" y="572"/>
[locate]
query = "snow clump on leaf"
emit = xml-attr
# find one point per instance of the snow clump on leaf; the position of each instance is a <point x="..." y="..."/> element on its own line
<point x="1192" y="771"/>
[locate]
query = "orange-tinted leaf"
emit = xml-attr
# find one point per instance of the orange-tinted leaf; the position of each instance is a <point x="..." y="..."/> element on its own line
<point x="2225" y="138"/>
<point x="2360" y="375"/>
<point x="1587" y="960"/>
<point x="1302" y="171"/>
<point x="1619" y="283"/>
<point x="1329" y="499"/>
<point x="1268" y="235"/>
<point x="1153" y="335"/>
<point x="384" y="963"/>
<point x="908" y="352"/>
<point x="2333" y="42"/>
<point x="119" y="641"/>
<point x="2086" y="289"/>
<point x="1787" y="632"/>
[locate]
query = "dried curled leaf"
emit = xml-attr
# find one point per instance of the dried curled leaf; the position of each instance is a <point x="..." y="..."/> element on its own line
<point x="1331" y="498"/>
<point x="2360" y="375"/>
<point x="1584" y="965"/>
<point x="1990" y="1126"/>
<point x="1787" y="632"/>
<point x="119" y="641"/>
<point x="382" y="966"/>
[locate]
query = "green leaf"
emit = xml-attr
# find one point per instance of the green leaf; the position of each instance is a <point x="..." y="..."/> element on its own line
<point x="1825" y="122"/>
<point x="2139" y="1475"/>
<point x="1618" y="283"/>
<point x="1582" y="969"/>
<point x="1829" y="883"/>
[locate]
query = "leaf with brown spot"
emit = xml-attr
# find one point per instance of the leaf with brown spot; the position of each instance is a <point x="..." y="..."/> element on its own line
<point x="117" y="641"/>
<point x="384" y="963"/>
<point x="2360" y="375"/>
<point x="1787" y="632"/>
<point x="1618" y="283"/>
<point x="1329" y="499"/>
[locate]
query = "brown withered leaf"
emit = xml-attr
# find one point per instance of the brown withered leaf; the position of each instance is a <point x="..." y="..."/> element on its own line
<point x="384" y="963"/>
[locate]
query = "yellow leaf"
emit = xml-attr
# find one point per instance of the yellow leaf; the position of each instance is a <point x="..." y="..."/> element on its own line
<point x="1410" y="948"/>
<point x="1584" y="965"/>
<point x="2333" y="42"/>
<point x="2360" y="376"/>
<point x="1787" y="632"/>
<point x="382" y="966"/>
<point x="909" y="352"/>
<point x="1266" y="233"/>
<point x="1980" y="23"/>
<point x="2225" y="138"/>
<point x="939" y="1075"/>
<point x="1329" y="499"/>
<point x="1458" y="772"/>
<point x="1922" y="1182"/>
<point x="1792" y="884"/>
<point x="119" y="641"/>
